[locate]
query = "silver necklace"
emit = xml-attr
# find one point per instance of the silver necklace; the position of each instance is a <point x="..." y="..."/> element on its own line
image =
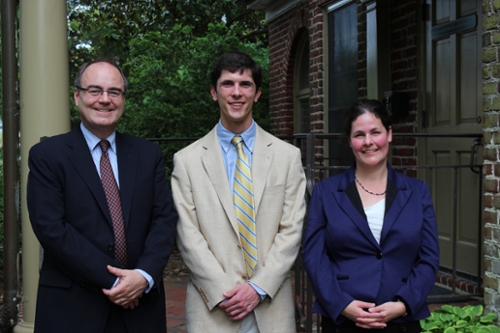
<point x="368" y="191"/>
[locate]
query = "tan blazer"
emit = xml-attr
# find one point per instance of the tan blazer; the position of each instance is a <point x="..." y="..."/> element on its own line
<point x="207" y="232"/>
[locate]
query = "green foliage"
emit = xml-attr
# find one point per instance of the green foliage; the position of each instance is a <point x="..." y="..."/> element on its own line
<point x="106" y="27"/>
<point x="467" y="319"/>
<point x="169" y="83"/>
<point x="166" y="48"/>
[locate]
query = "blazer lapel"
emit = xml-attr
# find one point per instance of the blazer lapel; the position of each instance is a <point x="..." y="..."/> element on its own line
<point x="342" y="196"/>
<point x="82" y="161"/>
<point x="262" y="158"/>
<point x="400" y="201"/>
<point x="214" y="164"/>
<point x="128" y="160"/>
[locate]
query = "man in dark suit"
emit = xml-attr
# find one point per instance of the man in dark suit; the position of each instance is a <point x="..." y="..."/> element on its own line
<point x="101" y="208"/>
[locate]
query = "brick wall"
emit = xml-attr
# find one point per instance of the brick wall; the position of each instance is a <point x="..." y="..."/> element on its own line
<point x="316" y="52"/>
<point x="491" y="132"/>
<point x="404" y="71"/>
<point x="284" y="35"/>
<point x="283" y="40"/>
<point x="308" y="17"/>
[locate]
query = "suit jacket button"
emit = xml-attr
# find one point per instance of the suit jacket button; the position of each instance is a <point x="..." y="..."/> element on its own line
<point x="244" y="277"/>
<point x="110" y="247"/>
<point x="379" y="255"/>
<point x="239" y="246"/>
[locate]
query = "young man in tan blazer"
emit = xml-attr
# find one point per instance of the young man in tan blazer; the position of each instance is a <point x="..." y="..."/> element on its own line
<point x="231" y="288"/>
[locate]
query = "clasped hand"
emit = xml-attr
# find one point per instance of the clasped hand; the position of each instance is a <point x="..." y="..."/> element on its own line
<point x="369" y="316"/>
<point x="128" y="290"/>
<point x="240" y="301"/>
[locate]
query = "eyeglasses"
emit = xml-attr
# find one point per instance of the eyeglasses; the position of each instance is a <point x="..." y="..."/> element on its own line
<point x="96" y="91"/>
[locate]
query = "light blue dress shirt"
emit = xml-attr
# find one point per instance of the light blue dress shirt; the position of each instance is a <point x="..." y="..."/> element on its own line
<point x="96" y="152"/>
<point x="229" y="152"/>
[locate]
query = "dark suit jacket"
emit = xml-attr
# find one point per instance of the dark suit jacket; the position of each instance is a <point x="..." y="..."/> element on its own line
<point x="70" y="217"/>
<point x="343" y="260"/>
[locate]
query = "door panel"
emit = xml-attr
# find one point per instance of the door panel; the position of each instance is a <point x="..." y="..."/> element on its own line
<point x="469" y="87"/>
<point x="443" y="204"/>
<point x="453" y="105"/>
<point x="443" y="78"/>
<point x="342" y="78"/>
<point x="442" y="10"/>
<point x="468" y="5"/>
<point x="468" y="201"/>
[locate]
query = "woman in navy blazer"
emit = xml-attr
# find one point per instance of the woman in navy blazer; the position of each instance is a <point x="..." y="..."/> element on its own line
<point x="371" y="248"/>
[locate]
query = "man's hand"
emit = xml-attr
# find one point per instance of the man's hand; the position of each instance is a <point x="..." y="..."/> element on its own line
<point x="128" y="290"/>
<point x="361" y="313"/>
<point x="241" y="300"/>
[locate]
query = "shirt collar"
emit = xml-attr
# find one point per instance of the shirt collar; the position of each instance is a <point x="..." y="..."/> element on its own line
<point x="92" y="140"/>
<point x="225" y="136"/>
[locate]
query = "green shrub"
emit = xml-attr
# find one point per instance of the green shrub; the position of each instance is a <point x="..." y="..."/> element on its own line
<point x="450" y="319"/>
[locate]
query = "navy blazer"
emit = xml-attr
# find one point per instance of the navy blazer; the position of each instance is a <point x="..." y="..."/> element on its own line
<point x="343" y="260"/>
<point x="70" y="217"/>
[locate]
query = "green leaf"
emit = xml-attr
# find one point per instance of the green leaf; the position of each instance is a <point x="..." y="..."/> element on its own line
<point x="461" y="312"/>
<point x="447" y="308"/>
<point x="488" y="317"/>
<point x="436" y="315"/>
<point x="493" y="329"/>
<point x="428" y="326"/>
<point x="447" y="317"/>
<point x="487" y="329"/>
<point x="449" y="330"/>
<point x="475" y="311"/>
<point x="75" y="25"/>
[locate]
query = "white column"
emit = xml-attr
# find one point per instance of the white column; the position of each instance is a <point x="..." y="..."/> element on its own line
<point x="44" y="105"/>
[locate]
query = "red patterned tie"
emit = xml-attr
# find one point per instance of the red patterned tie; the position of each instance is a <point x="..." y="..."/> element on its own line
<point x="114" y="204"/>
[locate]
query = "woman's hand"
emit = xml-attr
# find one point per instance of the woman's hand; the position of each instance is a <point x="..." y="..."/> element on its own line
<point x="391" y="310"/>
<point x="361" y="313"/>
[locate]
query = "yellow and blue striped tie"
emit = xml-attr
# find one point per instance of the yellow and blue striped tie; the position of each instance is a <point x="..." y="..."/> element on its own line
<point x="244" y="205"/>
